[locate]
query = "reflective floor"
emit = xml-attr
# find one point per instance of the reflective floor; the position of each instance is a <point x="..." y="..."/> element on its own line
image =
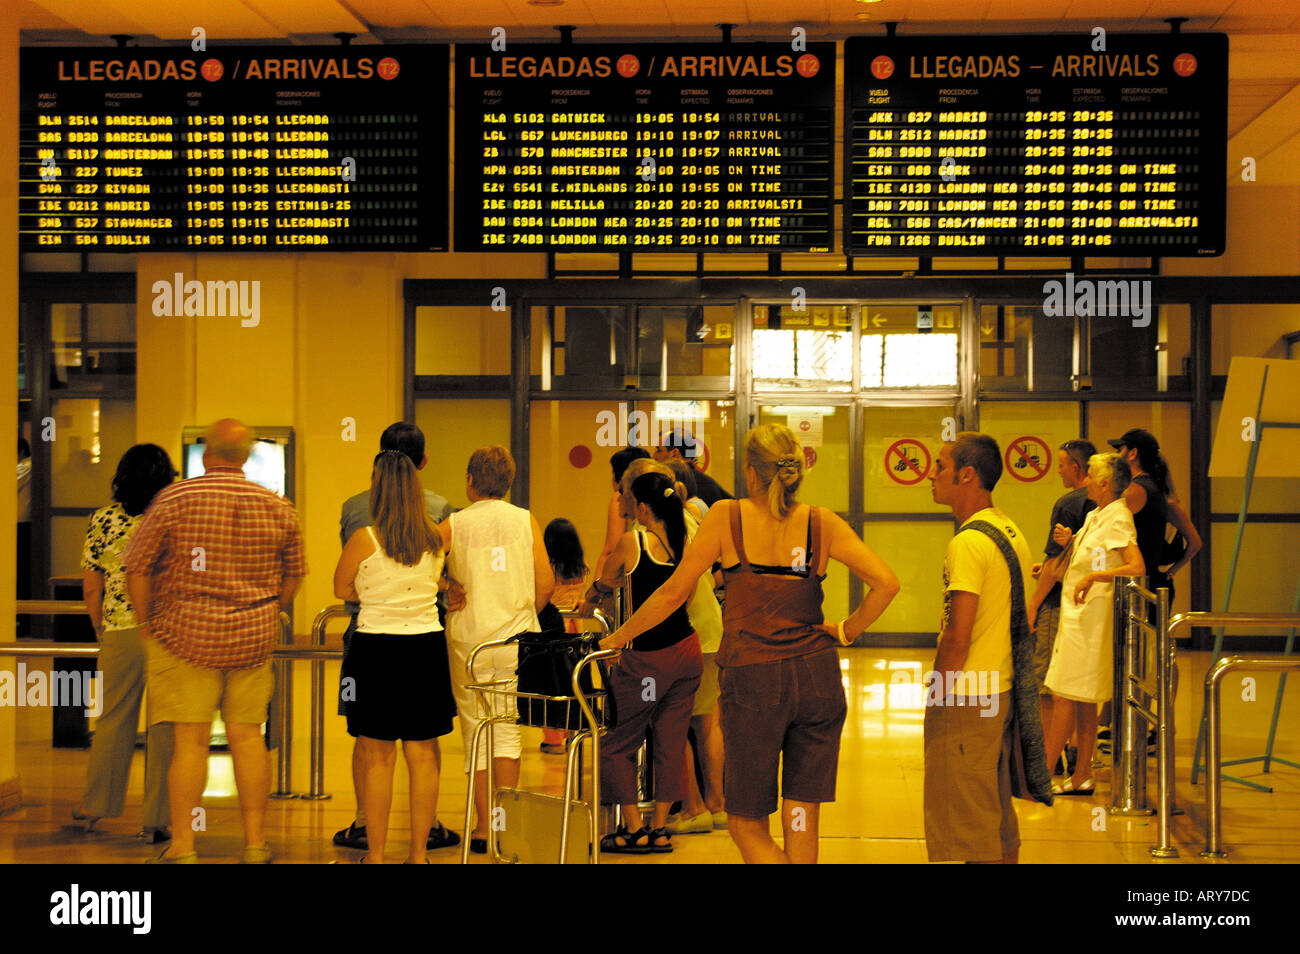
<point x="876" y="819"/>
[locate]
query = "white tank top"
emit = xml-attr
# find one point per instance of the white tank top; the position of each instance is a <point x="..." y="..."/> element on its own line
<point x="492" y="558"/>
<point x="395" y="598"/>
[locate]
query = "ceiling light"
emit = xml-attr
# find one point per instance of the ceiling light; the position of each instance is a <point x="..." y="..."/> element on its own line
<point x="866" y="1"/>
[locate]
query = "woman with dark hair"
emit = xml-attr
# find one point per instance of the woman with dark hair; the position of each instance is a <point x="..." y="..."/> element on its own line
<point x="1151" y="499"/>
<point x="143" y="470"/>
<point x="656" y="678"/>
<point x="396" y="677"/>
<point x="564" y="549"/>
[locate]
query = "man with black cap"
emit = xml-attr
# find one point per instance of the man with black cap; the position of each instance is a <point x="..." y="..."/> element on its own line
<point x="1145" y="497"/>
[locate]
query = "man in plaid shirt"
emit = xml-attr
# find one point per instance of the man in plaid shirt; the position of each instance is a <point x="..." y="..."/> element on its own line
<point x="209" y="568"/>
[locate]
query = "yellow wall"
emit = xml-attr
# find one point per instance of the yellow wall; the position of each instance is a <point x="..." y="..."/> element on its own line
<point x="328" y="347"/>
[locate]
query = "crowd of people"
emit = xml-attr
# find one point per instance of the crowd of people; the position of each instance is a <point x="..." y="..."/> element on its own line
<point x="726" y="660"/>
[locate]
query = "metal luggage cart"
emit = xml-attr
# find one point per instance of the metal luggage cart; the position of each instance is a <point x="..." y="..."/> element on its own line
<point x="533" y="819"/>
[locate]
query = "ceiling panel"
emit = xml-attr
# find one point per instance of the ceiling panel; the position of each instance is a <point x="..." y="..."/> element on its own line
<point x="33" y="17"/>
<point x="1106" y="12"/>
<point x="1026" y="10"/>
<point x="1247" y="99"/>
<point x="98" y="16"/>
<point x="617" y="12"/>
<point x="398" y="14"/>
<point x="222" y="19"/>
<point x="573" y="13"/>
<point x="323" y="16"/>
<point x="934" y="9"/>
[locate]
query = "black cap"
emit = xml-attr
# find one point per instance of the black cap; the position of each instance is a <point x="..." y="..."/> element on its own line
<point x="1144" y="442"/>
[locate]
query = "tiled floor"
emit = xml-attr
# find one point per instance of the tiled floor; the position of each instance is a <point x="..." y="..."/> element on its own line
<point x="876" y="819"/>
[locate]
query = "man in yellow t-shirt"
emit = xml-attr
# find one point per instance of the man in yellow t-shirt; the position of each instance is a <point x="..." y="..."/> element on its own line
<point x="968" y="737"/>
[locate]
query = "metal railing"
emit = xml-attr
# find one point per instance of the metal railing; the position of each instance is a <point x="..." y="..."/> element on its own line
<point x="1213" y="680"/>
<point x="282" y="715"/>
<point x="316" y="789"/>
<point x="1134" y="693"/>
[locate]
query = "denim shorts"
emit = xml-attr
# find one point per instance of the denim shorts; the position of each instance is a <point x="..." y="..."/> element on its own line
<point x="793" y="708"/>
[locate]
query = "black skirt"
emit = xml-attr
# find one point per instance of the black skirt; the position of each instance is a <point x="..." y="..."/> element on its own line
<point x="397" y="686"/>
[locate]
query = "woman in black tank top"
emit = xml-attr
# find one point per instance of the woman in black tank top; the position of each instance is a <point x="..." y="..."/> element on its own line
<point x="1150" y="498"/>
<point x="656" y="678"/>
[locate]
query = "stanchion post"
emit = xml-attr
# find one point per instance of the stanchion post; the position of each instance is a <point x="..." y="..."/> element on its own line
<point x="1213" y="763"/>
<point x="317" y="791"/>
<point x="284" y="715"/>
<point x="1165" y="730"/>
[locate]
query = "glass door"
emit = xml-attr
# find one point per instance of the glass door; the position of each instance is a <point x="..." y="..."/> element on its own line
<point x="872" y="389"/>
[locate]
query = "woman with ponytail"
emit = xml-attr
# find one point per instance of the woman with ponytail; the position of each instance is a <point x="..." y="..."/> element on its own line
<point x="782" y="696"/>
<point x="396" y="676"/>
<point x="656" y="678"/>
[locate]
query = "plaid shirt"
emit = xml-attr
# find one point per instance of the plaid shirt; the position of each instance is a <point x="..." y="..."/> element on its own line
<point x="218" y="547"/>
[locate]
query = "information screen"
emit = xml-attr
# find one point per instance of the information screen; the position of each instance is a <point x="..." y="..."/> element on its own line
<point x="645" y="147"/>
<point x="265" y="465"/>
<point x="1036" y="145"/>
<point x="235" y="149"/>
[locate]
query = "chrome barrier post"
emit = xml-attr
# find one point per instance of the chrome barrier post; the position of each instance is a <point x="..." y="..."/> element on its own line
<point x="1165" y="729"/>
<point x="1121" y="796"/>
<point x="1128" y="738"/>
<point x="284" y="715"/>
<point x="1213" y="761"/>
<point x="317" y="791"/>
<point x="1214" y="721"/>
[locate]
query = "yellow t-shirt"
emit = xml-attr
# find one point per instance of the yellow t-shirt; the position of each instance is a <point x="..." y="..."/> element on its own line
<point x="974" y="564"/>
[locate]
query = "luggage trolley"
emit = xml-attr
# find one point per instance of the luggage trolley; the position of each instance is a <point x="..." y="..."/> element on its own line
<point x="535" y="811"/>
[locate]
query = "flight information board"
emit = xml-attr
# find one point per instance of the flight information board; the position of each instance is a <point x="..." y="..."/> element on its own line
<point x="645" y="147"/>
<point x="1036" y="145"/>
<point x="234" y="149"/>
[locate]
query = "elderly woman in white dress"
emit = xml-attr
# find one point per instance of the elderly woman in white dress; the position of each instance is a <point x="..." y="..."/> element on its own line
<point x="1081" y="672"/>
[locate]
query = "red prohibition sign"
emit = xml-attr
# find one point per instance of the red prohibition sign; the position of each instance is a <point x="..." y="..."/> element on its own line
<point x="903" y="462"/>
<point x="1027" y="459"/>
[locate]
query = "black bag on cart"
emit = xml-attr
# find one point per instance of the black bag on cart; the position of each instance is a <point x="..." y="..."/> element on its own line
<point x="546" y="664"/>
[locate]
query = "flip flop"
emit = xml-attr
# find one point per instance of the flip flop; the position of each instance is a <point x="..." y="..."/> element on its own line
<point x="1067" y="788"/>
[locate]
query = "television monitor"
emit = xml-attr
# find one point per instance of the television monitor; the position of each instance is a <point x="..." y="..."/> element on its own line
<point x="270" y="464"/>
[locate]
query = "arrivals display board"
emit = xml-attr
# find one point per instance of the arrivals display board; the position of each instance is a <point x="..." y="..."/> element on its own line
<point x="645" y="147"/>
<point x="234" y="149"/>
<point x="1081" y="144"/>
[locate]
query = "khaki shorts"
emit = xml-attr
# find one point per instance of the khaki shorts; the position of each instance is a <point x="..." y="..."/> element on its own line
<point x="706" y="697"/>
<point x="182" y="692"/>
<point x="1049" y="621"/>
<point x="968" y="811"/>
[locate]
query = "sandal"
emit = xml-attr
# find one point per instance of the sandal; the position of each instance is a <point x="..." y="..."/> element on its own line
<point x="1067" y="788"/>
<point x="667" y="847"/>
<point x="623" y="842"/>
<point x="441" y="837"/>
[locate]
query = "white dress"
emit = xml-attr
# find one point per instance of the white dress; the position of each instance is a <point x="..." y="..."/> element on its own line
<point x="1082" y="667"/>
